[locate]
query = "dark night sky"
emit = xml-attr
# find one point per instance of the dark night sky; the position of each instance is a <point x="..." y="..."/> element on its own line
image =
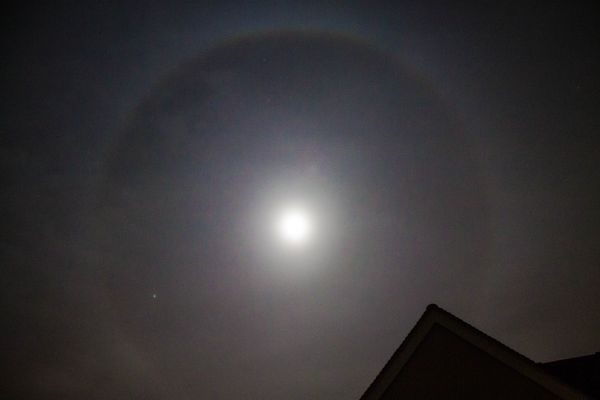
<point x="447" y="155"/>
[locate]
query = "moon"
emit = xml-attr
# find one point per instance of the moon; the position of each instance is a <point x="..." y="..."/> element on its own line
<point x="294" y="226"/>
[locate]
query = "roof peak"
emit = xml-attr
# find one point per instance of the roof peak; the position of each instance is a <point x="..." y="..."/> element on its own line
<point x="435" y="315"/>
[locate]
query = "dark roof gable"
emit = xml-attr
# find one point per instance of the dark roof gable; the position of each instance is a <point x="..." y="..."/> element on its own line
<point x="433" y="316"/>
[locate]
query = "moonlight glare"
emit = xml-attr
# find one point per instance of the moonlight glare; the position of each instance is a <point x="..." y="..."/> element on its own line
<point x="294" y="226"/>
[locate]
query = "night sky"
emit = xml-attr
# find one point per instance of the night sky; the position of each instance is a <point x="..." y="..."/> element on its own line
<point x="445" y="155"/>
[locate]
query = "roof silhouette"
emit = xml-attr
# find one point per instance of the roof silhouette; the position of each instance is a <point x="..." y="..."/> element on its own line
<point x="580" y="372"/>
<point x="478" y="363"/>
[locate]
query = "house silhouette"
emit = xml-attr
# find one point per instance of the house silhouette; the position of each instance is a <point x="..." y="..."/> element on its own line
<point x="444" y="357"/>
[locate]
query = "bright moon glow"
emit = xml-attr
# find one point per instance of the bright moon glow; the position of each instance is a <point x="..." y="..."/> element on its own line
<point x="294" y="226"/>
